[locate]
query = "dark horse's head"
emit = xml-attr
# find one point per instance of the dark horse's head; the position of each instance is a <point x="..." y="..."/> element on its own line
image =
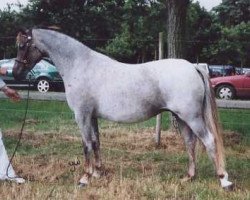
<point x="27" y="54"/>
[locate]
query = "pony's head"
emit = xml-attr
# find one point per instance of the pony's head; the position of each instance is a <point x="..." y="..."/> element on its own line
<point x="27" y="54"/>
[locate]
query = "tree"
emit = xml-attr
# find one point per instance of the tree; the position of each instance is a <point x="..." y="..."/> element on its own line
<point x="231" y="20"/>
<point x="200" y="32"/>
<point x="92" y="22"/>
<point x="137" y="39"/>
<point x="8" y="21"/>
<point x="176" y="24"/>
<point x="232" y="47"/>
<point x="128" y="29"/>
<point x="122" y="46"/>
<point x="233" y="12"/>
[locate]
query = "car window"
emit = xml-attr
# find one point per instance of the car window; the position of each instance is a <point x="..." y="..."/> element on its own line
<point x="40" y="66"/>
<point x="215" y="72"/>
<point x="221" y="70"/>
<point x="9" y="64"/>
<point x="37" y="67"/>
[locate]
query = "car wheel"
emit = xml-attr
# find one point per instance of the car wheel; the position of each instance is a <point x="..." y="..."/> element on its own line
<point x="225" y="92"/>
<point x="43" y="85"/>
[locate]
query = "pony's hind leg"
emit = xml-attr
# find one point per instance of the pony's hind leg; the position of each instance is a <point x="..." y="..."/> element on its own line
<point x="190" y="141"/>
<point x="213" y="148"/>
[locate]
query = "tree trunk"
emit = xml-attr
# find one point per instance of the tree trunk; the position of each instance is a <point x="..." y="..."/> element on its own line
<point x="176" y="25"/>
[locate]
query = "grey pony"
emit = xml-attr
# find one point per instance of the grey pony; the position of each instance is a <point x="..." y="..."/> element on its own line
<point x="97" y="86"/>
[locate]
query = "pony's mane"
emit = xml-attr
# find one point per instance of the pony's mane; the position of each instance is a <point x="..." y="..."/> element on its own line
<point x="50" y="27"/>
<point x="56" y="31"/>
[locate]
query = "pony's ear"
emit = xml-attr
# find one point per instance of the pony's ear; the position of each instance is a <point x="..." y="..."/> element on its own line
<point x="23" y="33"/>
<point x="19" y="37"/>
<point x="29" y="32"/>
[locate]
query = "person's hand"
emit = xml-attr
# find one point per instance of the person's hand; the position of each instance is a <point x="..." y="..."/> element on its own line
<point x="3" y="71"/>
<point x="11" y="93"/>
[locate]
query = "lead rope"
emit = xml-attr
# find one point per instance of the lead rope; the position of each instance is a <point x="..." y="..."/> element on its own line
<point x="20" y="134"/>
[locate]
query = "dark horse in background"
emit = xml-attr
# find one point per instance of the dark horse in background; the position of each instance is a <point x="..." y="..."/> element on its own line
<point x="97" y="86"/>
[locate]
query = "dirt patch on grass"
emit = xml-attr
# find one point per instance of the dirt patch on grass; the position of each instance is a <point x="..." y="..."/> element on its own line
<point x="123" y="139"/>
<point x="117" y="138"/>
<point x="139" y="140"/>
<point x="43" y="168"/>
<point x="232" y="138"/>
<point x="38" y="139"/>
<point x="142" y="140"/>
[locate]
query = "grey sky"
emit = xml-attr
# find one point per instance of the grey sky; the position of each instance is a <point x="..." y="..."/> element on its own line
<point x="208" y="4"/>
<point x="3" y="3"/>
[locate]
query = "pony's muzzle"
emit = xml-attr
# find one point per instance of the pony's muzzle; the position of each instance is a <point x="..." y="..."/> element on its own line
<point x="18" y="72"/>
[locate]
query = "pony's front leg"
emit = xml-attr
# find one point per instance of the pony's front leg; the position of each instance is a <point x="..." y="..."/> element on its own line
<point x="96" y="148"/>
<point x="88" y="168"/>
<point x="84" y="123"/>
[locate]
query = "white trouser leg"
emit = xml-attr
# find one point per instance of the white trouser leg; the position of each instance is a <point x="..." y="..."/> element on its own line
<point x="4" y="163"/>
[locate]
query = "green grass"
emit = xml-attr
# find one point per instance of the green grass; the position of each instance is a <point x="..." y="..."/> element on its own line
<point x="48" y="115"/>
<point x="44" y="114"/>
<point x="134" y="168"/>
<point x="236" y="120"/>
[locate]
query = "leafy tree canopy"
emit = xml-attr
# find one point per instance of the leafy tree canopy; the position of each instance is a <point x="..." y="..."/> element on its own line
<point x="128" y="29"/>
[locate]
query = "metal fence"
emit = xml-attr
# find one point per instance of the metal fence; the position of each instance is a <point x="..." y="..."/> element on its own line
<point x="234" y="115"/>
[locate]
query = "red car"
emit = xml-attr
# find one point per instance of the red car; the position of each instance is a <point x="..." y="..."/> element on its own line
<point x="230" y="87"/>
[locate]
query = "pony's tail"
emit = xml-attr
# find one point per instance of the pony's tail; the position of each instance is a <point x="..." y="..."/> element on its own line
<point x="211" y="118"/>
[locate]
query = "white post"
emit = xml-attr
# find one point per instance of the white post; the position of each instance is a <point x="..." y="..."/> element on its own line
<point x="159" y="116"/>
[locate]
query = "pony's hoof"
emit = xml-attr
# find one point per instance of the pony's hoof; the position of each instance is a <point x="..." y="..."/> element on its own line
<point x="97" y="174"/>
<point x="82" y="185"/>
<point x="229" y="187"/>
<point x="19" y="180"/>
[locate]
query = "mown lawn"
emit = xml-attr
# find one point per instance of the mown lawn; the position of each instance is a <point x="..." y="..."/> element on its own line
<point x="133" y="167"/>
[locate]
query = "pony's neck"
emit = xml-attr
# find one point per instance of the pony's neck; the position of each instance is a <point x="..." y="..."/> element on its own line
<point x="62" y="49"/>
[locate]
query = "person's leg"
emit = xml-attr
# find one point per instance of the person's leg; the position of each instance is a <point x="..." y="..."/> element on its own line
<point x="4" y="164"/>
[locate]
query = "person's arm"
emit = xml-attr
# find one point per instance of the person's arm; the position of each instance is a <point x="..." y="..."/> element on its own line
<point x="3" y="71"/>
<point x="2" y="83"/>
<point x="8" y="91"/>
